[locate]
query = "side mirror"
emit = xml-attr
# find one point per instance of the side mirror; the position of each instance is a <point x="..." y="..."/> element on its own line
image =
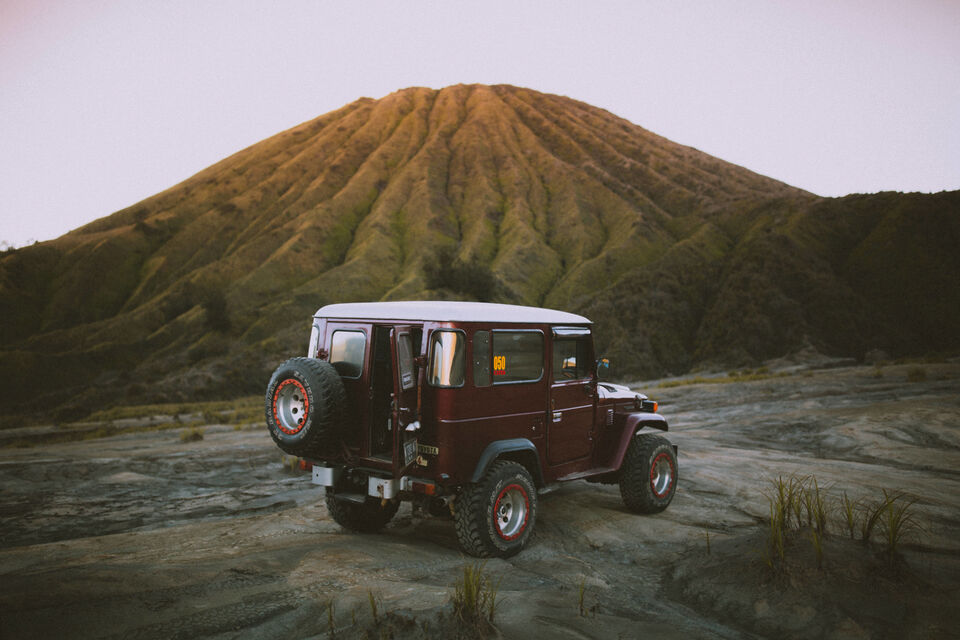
<point x="602" y="368"/>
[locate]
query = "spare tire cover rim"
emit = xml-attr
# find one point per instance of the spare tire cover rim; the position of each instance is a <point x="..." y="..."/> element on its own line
<point x="290" y="406"/>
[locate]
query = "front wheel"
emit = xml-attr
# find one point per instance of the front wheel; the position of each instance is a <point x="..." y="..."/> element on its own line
<point x="648" y="476"/>
<point x="495" y="517"/>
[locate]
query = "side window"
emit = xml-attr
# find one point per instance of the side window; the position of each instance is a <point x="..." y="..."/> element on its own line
<point x="517" y="356"/>
<point x="570" y="359"/>
<point x="481" y="358"/>
<point x="405" y="355"/>
<point x="447" y="359"/>
<point x="346" y="352"/>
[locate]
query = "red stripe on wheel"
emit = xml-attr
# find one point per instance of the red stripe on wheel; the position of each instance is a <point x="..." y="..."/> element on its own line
<point x="306" y="407"/>
<point x="653" y="474"/>
<point x="526" y="511"/>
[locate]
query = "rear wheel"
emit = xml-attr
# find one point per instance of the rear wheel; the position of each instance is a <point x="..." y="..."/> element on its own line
<point x="495" y="517"/>
<point x="648" y="476"/>
<point x="368" y="516"/>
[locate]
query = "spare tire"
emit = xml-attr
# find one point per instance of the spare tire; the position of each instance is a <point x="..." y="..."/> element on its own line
<point x="304" y="405"/>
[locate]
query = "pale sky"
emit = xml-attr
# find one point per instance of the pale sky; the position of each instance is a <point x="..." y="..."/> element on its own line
<point x="104" y="102"/>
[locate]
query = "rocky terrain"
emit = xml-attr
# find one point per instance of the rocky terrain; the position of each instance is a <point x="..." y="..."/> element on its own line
<point x="144" y="535"/>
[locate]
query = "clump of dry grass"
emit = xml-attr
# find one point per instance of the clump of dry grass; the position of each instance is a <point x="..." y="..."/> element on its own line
<point x="848" y="509"/>
<point x="897" y="521"/>
<point x="475" y="597"/>
<point x="373" y="607"/>
<point x="193" y="434"/>
<point x="816" y="538"/>
<point x="797" y="503"/>
<point x="781" y="501"/>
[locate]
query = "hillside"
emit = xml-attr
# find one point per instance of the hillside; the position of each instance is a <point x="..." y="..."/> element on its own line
<point x="482" y="192"/>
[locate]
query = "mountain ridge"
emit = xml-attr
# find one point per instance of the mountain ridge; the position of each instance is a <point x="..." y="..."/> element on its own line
<point x="431" y="193"/>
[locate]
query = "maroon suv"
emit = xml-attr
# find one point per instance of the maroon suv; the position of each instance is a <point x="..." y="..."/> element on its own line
<point x="468" y="408"/>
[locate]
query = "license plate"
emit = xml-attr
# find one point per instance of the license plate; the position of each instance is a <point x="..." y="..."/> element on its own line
<point x="409" y="452"/>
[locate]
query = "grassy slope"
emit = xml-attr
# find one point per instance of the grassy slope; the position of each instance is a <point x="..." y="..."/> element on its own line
<point x="844" y="275"/>
<point x="679" y="257"/>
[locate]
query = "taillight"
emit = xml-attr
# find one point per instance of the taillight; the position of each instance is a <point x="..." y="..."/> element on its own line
<point x="423" y="487"/>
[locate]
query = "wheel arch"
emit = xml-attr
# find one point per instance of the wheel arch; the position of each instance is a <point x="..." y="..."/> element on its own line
<point x="634" y="423"/>
<point x="519" y="450"/>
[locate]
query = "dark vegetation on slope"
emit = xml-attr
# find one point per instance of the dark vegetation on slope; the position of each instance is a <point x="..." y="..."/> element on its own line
<point x="470" y="192"/>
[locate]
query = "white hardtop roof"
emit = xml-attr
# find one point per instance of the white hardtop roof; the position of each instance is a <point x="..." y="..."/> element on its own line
<point x="444" y="311"/>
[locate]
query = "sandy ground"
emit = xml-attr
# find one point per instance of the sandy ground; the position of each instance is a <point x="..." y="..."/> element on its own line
<point x="143" y="536"/>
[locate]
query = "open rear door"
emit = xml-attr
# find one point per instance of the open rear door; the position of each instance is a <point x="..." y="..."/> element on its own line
<point x="405" y="398"/>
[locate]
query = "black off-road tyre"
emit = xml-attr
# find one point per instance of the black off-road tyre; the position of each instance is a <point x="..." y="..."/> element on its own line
<point x="648" y="476"/>
<point x="495" y="517"/>
<point x="369" y="517"/>
<point x="304" y="406"/>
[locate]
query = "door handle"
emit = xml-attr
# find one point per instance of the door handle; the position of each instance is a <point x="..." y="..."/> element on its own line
<point x="557" y="416"/>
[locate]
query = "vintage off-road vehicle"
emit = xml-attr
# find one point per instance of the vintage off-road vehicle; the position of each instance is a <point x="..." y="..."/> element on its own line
<point x="471" y="409"/>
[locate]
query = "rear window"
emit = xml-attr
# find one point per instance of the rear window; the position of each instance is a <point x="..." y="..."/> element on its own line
<point x="405" y="356"/>
<point x="517" y="356"/>
<point x="346" y="352"/>
<point x="447" y="359"/>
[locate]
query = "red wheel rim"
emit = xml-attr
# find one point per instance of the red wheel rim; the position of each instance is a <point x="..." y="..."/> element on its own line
<point x="290" y="406"/>
<point x="511" y="511"/>
<point x="661" y="475"/>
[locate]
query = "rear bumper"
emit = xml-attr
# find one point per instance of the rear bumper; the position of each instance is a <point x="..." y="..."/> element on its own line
<point x="383" y="488"/>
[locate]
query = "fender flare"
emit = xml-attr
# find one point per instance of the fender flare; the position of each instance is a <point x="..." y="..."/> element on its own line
<point x="497" y="448"/>
<point x="632" y="424"/>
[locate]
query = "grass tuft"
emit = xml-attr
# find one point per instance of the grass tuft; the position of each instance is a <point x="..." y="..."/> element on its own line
<point x="475" y="597"/>
<point x="870" y="514"/>
<point x="797" y="503"/>
<point x="781" y="502"/>
<point x="896" y="521"/>
<point x="193" y="434"/>
<point x="849" y="510"/>
<point x="373" y="607"/>
<point x="816" y="537"/>
<point x="816" y="506"/>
